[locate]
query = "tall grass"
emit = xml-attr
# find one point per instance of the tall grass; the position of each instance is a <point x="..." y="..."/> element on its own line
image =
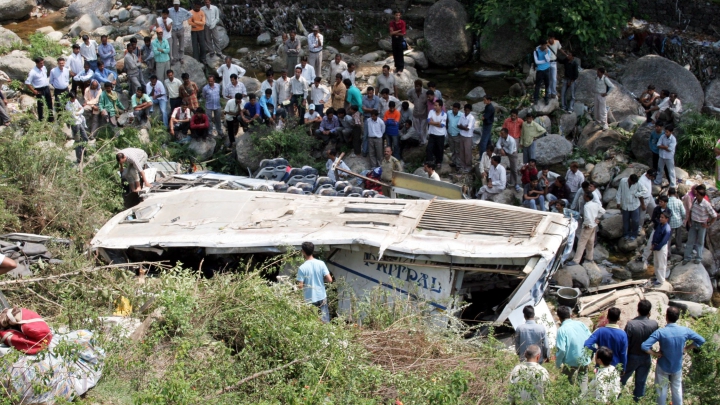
<point x="696" y="140"/>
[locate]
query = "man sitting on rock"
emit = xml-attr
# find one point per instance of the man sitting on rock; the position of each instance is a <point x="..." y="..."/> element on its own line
<point x="496" y="180"/>
<point x="592" y="211"/>
<point x="559" y="190"/>
<point x="648" y="99"/>
<point x="141" y="104"/>
<point x="200" y="125"/>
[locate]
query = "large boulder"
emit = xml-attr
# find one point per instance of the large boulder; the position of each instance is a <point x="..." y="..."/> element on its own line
<point x="594" y="139"/>
<point x="86" y="23"/>
<point x="475" y="94"/>
<point x="420" y="59"/>
<point x="666" y="74"/>
<point x="595" y="274"/>
<point x="449" y="44"/>
<point x="15" y="9"/>
<point x="202" y="149"/>
<point x="611" y="226"/>
<point x="16" y="65"/>
<point x="221" y="35"/>
<point x="191" y="67"/>
<point x="552" y="149"/>
<point x="506" y="46"/>
<point x="572" y="276"/>
<point x="543" y="108"/>
<point x="603" y="172"/>
<point x="640" y="144"/>
<point x="264" y="39"/>
<point x="252" y="85"/>
<point x="632" y="122"/>
<point x="620" y="101"/>
<point x="712" y="94"/>
<point x="60" y="3"/>
<point x="691" y="282"/>
<point x="93" y="7"/>
<point x="406" y="81"/>
<point x="566" y="122"/>
<point x="635" y="168"/>
<point x="8" y="37"/>
<point x="509" y="196"/>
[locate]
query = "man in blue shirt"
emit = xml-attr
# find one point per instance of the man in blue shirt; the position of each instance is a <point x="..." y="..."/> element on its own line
<point x="107" y="54"/>
<point x="613" y="337"/>
<point x="672" y="339"/>
<point x="655" y="135"/>
<point x="103" y="75"/>
<point x="211" y="94"/>
<point x="251" y="112"/>
<point x="370" y="103"/>
<point x="454" y="138"/>
<point x="531" y="333"/>
<point x="542" y="74"/>
<point x="311" y="277"/>
<point x="571" y="355"/>
<point x="269" y="109"/>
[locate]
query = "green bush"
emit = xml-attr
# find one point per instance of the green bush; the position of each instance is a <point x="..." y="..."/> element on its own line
<point x="696" y="138"/>
<point x="592" y="24"/>
<point x="292" y="143"/>
<point x="41" y="46"/>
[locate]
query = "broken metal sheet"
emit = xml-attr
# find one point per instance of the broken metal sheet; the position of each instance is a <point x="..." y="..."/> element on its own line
<point x="410" y="184"/>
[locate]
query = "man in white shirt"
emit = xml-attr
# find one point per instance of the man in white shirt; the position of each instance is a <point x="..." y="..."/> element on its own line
<point x="385" y="99"/>
<point x="227" y="69"/>
<point x="269" y="83"/>
<point x="437" y="129"/>
<point x="315" y="47"/>
<point x="496" y="180"/>
<point x="350" y="73"/>
<point x="375" y="131"/>
<point x="528" y="379"/>
<point x="180" y="120"/>
<point x="319" y="95"/>
<point x="337" y="66"/>
<point x="666" y="146"/>
<point x="212" y="19"/>
<point x="332" y="156"/>
<point x="603" y="87"/>
<point x="38" y="84"/>
<point x="387" y="81"/>
<point x="155" y="89"/>
<point x="60" y="80"/>
<point x="554" y="47"/>
<point x="234" y="88"/>
<point x="467" y="127"/>
<point x="172" y="85"/>
<point x="233" y="110"/>
<point x="165" y="23"/>
<point x="592" y="210"/>
<point x="506" y="146"/>
<point x="88" y="50"/>
<point x="282" y="91"/>
<point x="312" y="119"/>
<point x="178" y="15"/>
<point x="308" y="72"/>
<point x="299" y="87"/>
<point x="574" y="177"/>
<point x="78" y="125"/>
<point x="646" y="181"/>
<point x="75" y="62"/>
<point x="429" y="169"/>
<point x="669" y="109"/>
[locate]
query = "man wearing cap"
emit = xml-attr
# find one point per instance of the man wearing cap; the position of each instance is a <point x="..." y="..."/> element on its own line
<point x="161" y="49"/>
<point x="315" y="47"/>
<point x="312" y="119"/>
<point x="178" y="16"/>
<point x="319" y="95"/>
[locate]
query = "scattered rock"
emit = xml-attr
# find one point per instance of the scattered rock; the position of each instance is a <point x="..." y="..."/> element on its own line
<point x="202" y="149"/>
<point x="631" y="122"/>
<point x="476" y="94"/>
<point x="406" y="81"/>
<point x="567" y="122"/>
<point x="123" y="15"/>
<point x="674" y="77"/>
<point x="575" y="273"/>
<point x="448" y="42"/>
<point x="516" y="90"/>
<point x="385" y="45"/>
<point x="620" y="101"/>
<point x="609" y="195"/>
<point x="602" y="173"/>
<point x="483" y="75"/>
<point x="508" y="196"/>
<point x="86" y="23"/>
<point x="252" y="85"/>
<point x="243" y="51"/>
<point x="264" y="39"/>
<point x="60" y="3"/>
<point x="16" y="65"/>
<point x="545" y="121"/>
<point x="420" y="59"/>
<point x="696" y="310"/>
<point x="506" y="46"/>
<point x="552" y="149"/>
<point x="636" y="267"/>
<point x="348" y="40"/>
<point x="92" y="7"/>
<point x="636" y="168"/>
<point x="600" y="253"/>
<point x="594" y="139"/>
<point x="611" y="226"/>
<point x="15" y="9"/>
<point x="691" y="282"/>
<point x="191" y="67"/>
<point x="595" y="275"/>
<point x="708" y="261"/>
<point x="105" y="30"/>
<point x="542" y="108"/>
<point x="221" y="36"/>
<point x="621" y="273"/>
<point x="8" y="37"/>
<point x="629" y="246"/>
<point x="640" y="144"/>
<point x="372" y="56"/>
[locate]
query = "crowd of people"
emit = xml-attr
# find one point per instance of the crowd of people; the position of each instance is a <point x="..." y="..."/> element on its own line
<point x="614" y="355"/>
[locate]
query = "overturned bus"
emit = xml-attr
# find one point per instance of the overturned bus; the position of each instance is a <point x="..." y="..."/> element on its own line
<point x="496" y="258"/>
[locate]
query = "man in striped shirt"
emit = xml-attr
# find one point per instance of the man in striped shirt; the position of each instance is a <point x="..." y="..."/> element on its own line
<point x="700" y="217"/>
<point x="678" y="217"/>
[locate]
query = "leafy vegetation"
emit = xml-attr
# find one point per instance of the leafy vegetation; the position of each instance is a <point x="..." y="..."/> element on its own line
<point x="293" y="143"/>
<point x="590" y="24"/>
<point x="41" y="46"/>
<point x="696" y="138"/>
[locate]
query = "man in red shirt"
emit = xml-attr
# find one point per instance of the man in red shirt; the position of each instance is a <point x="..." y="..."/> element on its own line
<point x="397" y="32"/>
<point x="200" y="124"/>
<point x="528" y="171"/>
<point x="514" y="126"/>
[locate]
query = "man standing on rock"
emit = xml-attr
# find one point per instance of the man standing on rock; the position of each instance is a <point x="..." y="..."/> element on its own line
<point x="212" y="19"/>
<point x="132" y="69"/>
<point x="300" y="89"/>
<point x="282" y="88"/>
<point x="161" y="49"/>
<point x="630" y="199"/>
<point x="387" y="81"/>
<point x="315" y="47"/>
<point x="397" y="33"/>
<point x="178" y="16"/>
<point x="211" y="94"/>
<point x="554" y="47"/>
<point x="572" y="72"/>
<point x="38" y="84"/>
<point x="197" y="33"/>
<point x="646" y="181"/>
<point x="418" y="97"/>
<point x="542" y="73"/>
<point x="88" y="50"/>
<point x="531" y="333"/>
<point x="666" y="146"/>
<point x="570" y="356"/>
<point x="672" y="339"/>
<point x="574" y="177"/>
<point x="488" y="118"/>
<point x="592" y="210"/>
<point x="700" y="217"/>
<point x="337" y="67"/>
<point x="506" y="146"/>
<point x="132" y="162"/>
<point x="466" y="126"/>
<point x="650" y="246"/>
<point x="75" y="62"/>
<point x="514" y="125"/>
<point x="531" y="130"/>
<point x="60" y="81"/>
<point x="226" y="70"/>
<point x="677" y="208"/>
<point x="603" y="87"/>
<point x="638" y="330"/>
<point x="611" y="336"/>
<point x="292" y="48"/>
<point x="496" y="180"/>
<point x="106" y="52"/>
